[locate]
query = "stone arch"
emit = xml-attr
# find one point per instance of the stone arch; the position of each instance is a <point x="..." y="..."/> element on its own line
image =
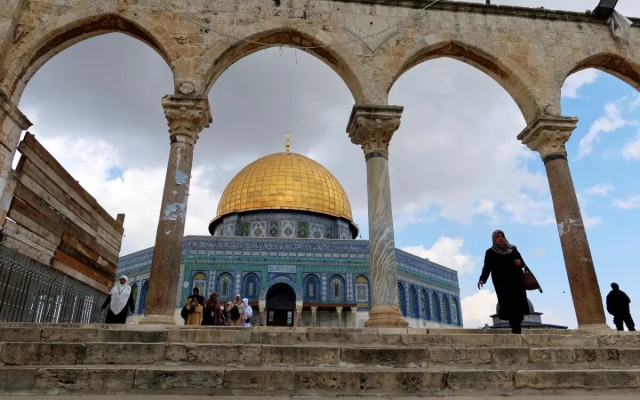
<point x="413" y="306"/>
<point x="221" y="59"/>
<point x="281" y="279"/>
<point x="402" y="299"/>
<point x="311" y="288"/>
<point x="250" y="287"/>
<point x="337" y="289"/>
<point x="424" y="304"/>
<point x="504" y="75"/>
<point x="621" y="67"/>
<point x="29" y="58"/>
<point x="224" y="286"/>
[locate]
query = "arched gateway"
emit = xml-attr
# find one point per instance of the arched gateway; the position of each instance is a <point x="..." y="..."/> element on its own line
<point x="281" y="304"/>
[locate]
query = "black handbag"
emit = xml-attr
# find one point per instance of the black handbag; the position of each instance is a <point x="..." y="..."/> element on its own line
<point x="530" y="281"/>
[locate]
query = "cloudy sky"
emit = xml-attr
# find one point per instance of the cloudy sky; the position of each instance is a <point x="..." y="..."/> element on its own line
<point x="461" y="173"/>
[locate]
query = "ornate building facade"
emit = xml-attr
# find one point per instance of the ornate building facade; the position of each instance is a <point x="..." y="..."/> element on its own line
<point x="284" y="238"/>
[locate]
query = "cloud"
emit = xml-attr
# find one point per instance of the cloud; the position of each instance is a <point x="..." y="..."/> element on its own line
<point x="540" y="251"/>
<point x="578" y="80"/>
<point x="609" y="122"/>
<point x="631" y="150"/>
<point x="629" y="203"/>
<point x="600" y="189"/>
<point x="446" y="251"/>
<point x="591" y="221"/>
<point x="477" y="308"/>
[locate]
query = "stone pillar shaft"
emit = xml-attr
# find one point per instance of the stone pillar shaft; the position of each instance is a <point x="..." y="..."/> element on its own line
<point x="298" y="316"/>
<point x="372" y="128"/>
<point x="548" y="136"/>
<point x="354" y="315"/>
<point x="187" y="116"/>
<point x="263" y="311"/>
<point x="339" y="311"/>
<point x="314" y="321"/>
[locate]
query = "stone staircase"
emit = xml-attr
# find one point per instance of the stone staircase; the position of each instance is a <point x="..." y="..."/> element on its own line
<point x="139" y="359"/>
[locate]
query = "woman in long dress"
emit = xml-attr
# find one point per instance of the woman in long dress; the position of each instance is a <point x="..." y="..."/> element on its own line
<point x="242" y="315"/>
<point x="118" y="300"/>
<point x="248" y="312"/>
<point x="211" y="314"/>
<point x="504" y="263"/>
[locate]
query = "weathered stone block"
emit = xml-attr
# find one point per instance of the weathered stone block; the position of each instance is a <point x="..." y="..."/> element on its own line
<point x="215" y="354"/>
<point x="594" y="379"/>
<point x="85" y="379"/>
<point x="300" y="355"/>
<point x="510" y="355"/>
<point x="552" y="355"/>
<point x="485" y="380"/>
<point x="386" y="356"/>
<point x="549" y="340"/>
<point x="276" y="379"/>
<point x="112" y="335"/>
<point x="629" y="357"/>
<point x="14" y="380"/>
<point x="124" y="353"/>
<point x="11" y="334"/>
<point x="596" y="355"/>
<point x="60" y="334"/>
<point x="44" y="353"/>
<point x="195" y="377"/>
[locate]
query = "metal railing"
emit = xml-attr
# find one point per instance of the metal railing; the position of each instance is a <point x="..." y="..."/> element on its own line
<point x="33" y="292"/>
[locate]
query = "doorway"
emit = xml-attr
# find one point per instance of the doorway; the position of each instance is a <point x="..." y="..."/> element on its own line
<point x="281" y="302"/>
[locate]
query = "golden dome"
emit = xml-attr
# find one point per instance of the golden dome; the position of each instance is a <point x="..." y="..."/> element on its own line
<point x="285" y="181"/>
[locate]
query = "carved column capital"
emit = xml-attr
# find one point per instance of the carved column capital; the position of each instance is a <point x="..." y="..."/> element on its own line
<point x="314" y="309"/>
<point x="186" y="116"/>
<point x="372" y="126"/>
<point x="339" y="309"/>
<point x="548" y="135"/>
<point x="354" y="309"/>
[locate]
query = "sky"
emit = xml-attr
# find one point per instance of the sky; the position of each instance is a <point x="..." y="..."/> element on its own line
<point x="457" y="169"/>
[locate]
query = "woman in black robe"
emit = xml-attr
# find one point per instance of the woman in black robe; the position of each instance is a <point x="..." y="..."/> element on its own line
<point x="504" y="263"/>
<point x="119" y="300"/>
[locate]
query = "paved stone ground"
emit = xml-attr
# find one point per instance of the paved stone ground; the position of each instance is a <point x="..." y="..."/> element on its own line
<point x="153" y="397"/>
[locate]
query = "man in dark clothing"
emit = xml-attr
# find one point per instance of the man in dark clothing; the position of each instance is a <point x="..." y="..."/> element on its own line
<point x="618" y="306"/>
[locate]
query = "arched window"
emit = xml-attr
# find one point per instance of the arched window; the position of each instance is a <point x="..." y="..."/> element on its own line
<point x="251" y="287"/>
<point x="337" y="289"/>
<point x="199" y="281"/>
<point x="224" y="287"/>
<point x="454" y="310"/>
<point x="143" y="297"/>
<point x="435" y="302"/>
<point x="411" y="300"/>
<point x="401" y="302"/>
<point x="134" y="293"/>
<point x="311" y="288"/>
<point x="445" y="310"/>
<point x="424" y="305"/>
<point x="362" y="290"/>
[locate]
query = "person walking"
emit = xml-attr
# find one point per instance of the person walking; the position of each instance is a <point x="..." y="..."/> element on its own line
<point x="618" y="306"/>
<point x="248" y="312"/>
<point x="211" y="314"/>
<point x="505" y="265"/>
<point x="118" y="300"/>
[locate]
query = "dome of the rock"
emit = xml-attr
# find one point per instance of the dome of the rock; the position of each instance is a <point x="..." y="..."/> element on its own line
<point x="285" y="181"/>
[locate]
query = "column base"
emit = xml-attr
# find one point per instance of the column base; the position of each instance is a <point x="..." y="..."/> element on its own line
<point x="596" y="328"/>
<point x="157" y="320"/>
<point x="385" y="317"/>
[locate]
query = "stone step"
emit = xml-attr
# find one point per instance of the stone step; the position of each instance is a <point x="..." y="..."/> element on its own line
<point x="41" y="353"/>
<point x="288" y="336"/>
<point x="302" y="381"/>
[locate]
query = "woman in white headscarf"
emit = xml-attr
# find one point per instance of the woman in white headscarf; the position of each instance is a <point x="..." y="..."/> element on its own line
<point x="118" y="300"/>
<point x="248" y="312"/>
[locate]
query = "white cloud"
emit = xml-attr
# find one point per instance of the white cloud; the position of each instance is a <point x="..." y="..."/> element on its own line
<point x="631" y="150"/>
<point x="591" y="221"/>
<point x="577" y="81"/>
<point x="629" y="203"/>
<point x="477" y="308"/>
<point x="600" y="189"/>
<point x="609" y="122"/>
<point x="539" y="251"/>
<point x="446" y="251"/>
<point x="635" y="104"/>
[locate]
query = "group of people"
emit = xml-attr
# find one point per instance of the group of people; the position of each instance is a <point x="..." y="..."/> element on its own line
<point x="197" y="311"/>
<point x="504" y="263"/>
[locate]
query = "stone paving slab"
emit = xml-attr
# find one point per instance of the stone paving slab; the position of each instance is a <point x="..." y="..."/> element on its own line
<point x="588" y="396"/>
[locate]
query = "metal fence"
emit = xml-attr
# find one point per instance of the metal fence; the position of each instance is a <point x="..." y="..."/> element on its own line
<point x="33" y="292"/>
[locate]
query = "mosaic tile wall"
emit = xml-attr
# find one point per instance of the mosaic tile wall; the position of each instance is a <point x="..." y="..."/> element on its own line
<point x="298" y="262"/>
<point x="275" y="224"/>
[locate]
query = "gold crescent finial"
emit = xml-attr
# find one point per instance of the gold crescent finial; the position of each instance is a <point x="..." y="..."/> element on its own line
<point x="288" y="144"/>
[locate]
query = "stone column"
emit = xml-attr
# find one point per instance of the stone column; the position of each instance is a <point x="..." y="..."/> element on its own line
<point x="372" y="128"/>
<point x="263" y="312"/>
<point x="548" y="135"/>
<point x="298" y="316"/>
<point x="187" y="116"/>
<point x="339" y="311"/>
<point x="354" y="317"/>
<point x="12" y="123"/>
<point x="314" y="321"/>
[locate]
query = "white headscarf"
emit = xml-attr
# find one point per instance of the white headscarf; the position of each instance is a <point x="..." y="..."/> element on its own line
<point x="120" y="295"/>
<point x="248" y="308"/>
